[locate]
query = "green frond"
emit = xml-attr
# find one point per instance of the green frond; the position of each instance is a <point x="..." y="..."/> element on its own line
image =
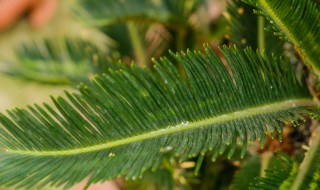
<point x="126" y="121"/>
<point x="297" y="21"/>
<point x="58" y="53"/>
<point x="313" y="176"/>
<point x="183" y="8"/>
<point x="100" y="13"/>
<point x="282" y="172"/>
<point x="56" y="60"/>
<point x="308" y="176"/>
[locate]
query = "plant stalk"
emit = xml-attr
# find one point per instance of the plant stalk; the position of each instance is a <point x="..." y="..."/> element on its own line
<point x="261" y="34"/>
<point x="265" y="158"/>
<point x="181" y="35"/>
<point x="308" y="160"/>
<point x="139" y="50"/>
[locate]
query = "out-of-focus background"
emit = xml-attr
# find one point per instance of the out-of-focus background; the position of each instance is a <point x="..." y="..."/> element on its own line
<point x="35" y="61"/>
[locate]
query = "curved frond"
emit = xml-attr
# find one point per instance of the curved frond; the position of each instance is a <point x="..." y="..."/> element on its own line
<point x="57" y="60"/>
<point x="127" y="120"/>
<point x="283" y="171"/>
<point x="296" y="21"/>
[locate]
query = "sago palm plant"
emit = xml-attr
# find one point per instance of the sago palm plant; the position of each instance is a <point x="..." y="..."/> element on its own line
<point x="189" y="105"/>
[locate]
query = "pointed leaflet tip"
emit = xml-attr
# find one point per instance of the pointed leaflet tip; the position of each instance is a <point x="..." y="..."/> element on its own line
<point x="199" y="163"/>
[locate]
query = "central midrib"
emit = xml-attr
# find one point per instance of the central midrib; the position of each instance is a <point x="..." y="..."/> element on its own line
<point x="276" y="106"/>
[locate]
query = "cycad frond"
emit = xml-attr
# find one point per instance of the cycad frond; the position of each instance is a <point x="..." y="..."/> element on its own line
<point x="167" y="12"/>
<point x="296" y="21"/>
<point x="314" y="175"/>
<point x="101" y="13"/>
<point x="127" y="120"/>
<point x="283" y="170"/>
<point x="57" y="53"/>
<point x="57" y="60"/>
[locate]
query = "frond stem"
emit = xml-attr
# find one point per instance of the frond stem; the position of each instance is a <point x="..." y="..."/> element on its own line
<point x="261" y="34"/>
<point x="139" y="50"/>
<point x="308" y="160"/>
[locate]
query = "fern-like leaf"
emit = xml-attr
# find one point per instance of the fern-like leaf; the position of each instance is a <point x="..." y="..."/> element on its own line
<point x="127" y="120"/>
<point x="278" y="174"/>
<point x="296" y="21"/>
<point x="57" y="60"/>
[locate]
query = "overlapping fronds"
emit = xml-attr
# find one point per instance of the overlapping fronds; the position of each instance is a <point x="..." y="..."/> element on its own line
<point x="284" y="174"/>
<point x="244" y="29"/>
<point x="287" y="173"/>
<point x="296" y="21"/>
<point x="278" y="174"/>
<point x="127" y="120"/>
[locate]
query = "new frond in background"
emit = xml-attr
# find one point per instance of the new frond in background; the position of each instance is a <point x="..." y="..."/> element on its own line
<point x="126" y="121"/>
<point x="297" y="22"/>
<point x="58" y="61"/>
